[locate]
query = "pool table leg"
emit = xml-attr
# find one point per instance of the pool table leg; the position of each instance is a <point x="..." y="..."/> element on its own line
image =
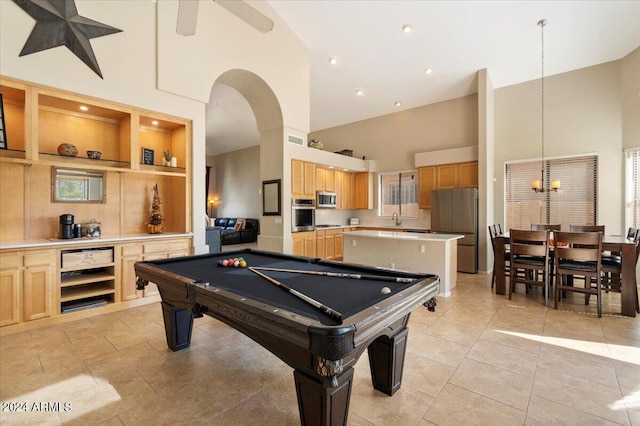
<point x="386" y="361"/>
<point x="178" y="324"/>
<point x="320" y="404"/>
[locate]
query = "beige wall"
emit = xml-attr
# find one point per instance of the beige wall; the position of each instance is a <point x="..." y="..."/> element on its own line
<point x="583" y="114"/>
<point x="149" y="66"/>
<point x="236" y="183"/>
<point x="393" y="140"/>
<point x="631" y="100"/>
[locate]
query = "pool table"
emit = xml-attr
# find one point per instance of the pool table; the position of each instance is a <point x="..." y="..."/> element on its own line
<point x="321" y="348"/>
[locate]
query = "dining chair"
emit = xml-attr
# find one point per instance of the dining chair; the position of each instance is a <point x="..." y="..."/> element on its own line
<point x="578" y="253"/>
<point x="493" y="233"/>
<point x="529" y="254"/>
<point x="612" y="267"/>
<point x="587" y="228"/>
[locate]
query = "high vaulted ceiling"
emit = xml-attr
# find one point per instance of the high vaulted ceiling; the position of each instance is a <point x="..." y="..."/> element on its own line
<point x="454" y="38"/>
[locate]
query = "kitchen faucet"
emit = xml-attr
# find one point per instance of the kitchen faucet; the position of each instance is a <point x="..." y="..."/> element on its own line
<point x="397" y="218"/>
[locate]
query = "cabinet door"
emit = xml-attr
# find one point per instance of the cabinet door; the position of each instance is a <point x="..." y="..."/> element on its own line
<point x="329" y="180"/>
<point x="37" y="292"/>
<point x="320" y="252"/>
<point x="320" y="179"/>
<point x="131" y="253"/>
<point x="338" y="188"/>
<point x="362" y="191"/>
<point x="338" y="244"/>
<point x="468" y="175"/>
<point x="297" y="177"/>
<point x="426" y="184"/>
<point x="310" y="246"/>
<point x="10" y="296"/>
<point x="310" y="180"/>
<point x="297" y="247"/>
<point x="329" y="246"/>
<point x="448" y="176"/>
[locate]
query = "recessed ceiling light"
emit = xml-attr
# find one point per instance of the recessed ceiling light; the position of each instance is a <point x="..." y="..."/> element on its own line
<point x="333" y="61"/>
<point x="345" y="170"/>
<point x="359" y="92"/>
<point x="84" y="108"/>
<point x="406" y="28"/>
<point x="331" y="167"/>
<point x="155" y="122"/>
<point x="398" y="104"/>
<point x="428" y="70"/>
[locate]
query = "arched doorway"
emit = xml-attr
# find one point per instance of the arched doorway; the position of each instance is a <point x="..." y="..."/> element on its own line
<point x="237" y="175"/>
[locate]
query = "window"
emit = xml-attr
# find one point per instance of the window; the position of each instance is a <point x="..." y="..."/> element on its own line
<point x="399" y="194"/>
<point x="574" y="203"/>
<point x="632" y="183"/>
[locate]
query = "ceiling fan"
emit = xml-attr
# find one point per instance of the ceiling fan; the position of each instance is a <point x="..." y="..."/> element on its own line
<point x="188" y="15"/>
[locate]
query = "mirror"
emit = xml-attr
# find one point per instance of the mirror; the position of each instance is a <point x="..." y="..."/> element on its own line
<point x="271" y="197"/>
<point x="77" y="186"/>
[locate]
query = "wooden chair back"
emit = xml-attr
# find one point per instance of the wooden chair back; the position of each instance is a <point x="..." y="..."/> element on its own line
<point x="577" y="247"/>
<point x="529" y="243"/>
<point x="587" y="228"/>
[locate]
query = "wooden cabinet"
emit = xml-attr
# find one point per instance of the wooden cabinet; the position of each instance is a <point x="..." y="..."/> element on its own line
<point x="361" y="191"/>
<point x="329" y="243"/>
<point x="26" y="285"/>
<point x="304" y="244"/>
<point x="468" y="175"/>
<point x="303" y="179"/>
<point x="426" y="184"/>
<point x="129" y="255"/>
<point x="320" y="245"/>
<point x="87" y="278"/>
<point x="10" y="285"/>
<point x="445" y="176"/>
<point x="325" y="179"/>
<point x="38" y="119"/>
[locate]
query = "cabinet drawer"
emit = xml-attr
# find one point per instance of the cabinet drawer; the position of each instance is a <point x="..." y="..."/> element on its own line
<point x="39" y="258"/>
<point x="79" y="258"/>
<point x="334" y="232"/>
<point x="131" y="250"/>
<point x="166" y="246"/>
<point x="10" y="261"/>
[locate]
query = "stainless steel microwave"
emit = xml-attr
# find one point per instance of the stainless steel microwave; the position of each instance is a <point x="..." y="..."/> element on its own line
<point x="326" y="200"/>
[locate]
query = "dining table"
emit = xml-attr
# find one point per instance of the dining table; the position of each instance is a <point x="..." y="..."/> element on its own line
<point x="610" y="243"/>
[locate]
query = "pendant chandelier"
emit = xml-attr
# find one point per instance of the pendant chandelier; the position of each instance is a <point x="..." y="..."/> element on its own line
<point x="538" y="185"/>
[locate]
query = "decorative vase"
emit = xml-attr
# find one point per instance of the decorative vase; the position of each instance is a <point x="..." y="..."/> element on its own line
<point x="67" y="150"/>
<point x="174" y="162"/>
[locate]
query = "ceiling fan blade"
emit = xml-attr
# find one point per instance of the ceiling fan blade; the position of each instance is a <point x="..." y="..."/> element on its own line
<point x="248" y="14"/>
<point x="187" y="17"/>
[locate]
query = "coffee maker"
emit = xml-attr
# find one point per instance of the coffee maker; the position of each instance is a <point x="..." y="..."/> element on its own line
<point x="66" y="226"/>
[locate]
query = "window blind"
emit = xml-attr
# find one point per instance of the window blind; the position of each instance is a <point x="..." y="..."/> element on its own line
<point x="632" y="184"/>
<point x="574" y="203"/>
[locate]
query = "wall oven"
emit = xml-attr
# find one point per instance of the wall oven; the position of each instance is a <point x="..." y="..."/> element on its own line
<point x="303" y="215"/>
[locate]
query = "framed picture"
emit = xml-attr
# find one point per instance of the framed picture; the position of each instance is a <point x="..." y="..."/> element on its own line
<point x="147" y="156"/>
<point x="271" y="197"/>
<point x="3" y="130"/>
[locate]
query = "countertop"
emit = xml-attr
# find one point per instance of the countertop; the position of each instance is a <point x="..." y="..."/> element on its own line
<point x="408" y="236"/>
<point x="55" y="242"/>
<point x="399" y="228"/>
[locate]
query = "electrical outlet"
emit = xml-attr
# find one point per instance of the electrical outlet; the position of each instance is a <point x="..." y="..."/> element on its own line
<point x="277" y="220"/>
<point x="421" y="248"/>
<point x="353" y="243"/>
<point x="392" y="265"/>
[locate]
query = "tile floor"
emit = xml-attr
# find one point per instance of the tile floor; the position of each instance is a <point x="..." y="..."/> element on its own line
<point x="479" y="359"/>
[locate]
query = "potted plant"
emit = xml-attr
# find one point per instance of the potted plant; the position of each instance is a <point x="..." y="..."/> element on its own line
<point x="168" y="155"/>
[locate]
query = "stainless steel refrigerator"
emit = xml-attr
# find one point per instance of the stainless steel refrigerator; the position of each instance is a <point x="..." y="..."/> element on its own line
<point x="455" y="211"/>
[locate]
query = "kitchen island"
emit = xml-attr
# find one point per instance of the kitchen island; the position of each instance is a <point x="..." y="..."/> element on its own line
<point x="410" y="251"/>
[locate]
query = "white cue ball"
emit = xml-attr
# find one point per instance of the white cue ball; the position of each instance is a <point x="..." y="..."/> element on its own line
<point x="385" y="290"/>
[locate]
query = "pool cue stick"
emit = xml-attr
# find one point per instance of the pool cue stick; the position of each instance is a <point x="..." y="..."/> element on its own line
<point x="340" y="275"/>
<point x="335" y="314"/>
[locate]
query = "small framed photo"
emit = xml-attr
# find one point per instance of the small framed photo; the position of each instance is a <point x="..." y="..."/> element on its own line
<point x="147" y="156"/>
<point x="3" y="130"/>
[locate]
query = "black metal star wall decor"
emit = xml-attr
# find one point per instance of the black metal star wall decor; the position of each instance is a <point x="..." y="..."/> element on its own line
<point x="57" y="24"/>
